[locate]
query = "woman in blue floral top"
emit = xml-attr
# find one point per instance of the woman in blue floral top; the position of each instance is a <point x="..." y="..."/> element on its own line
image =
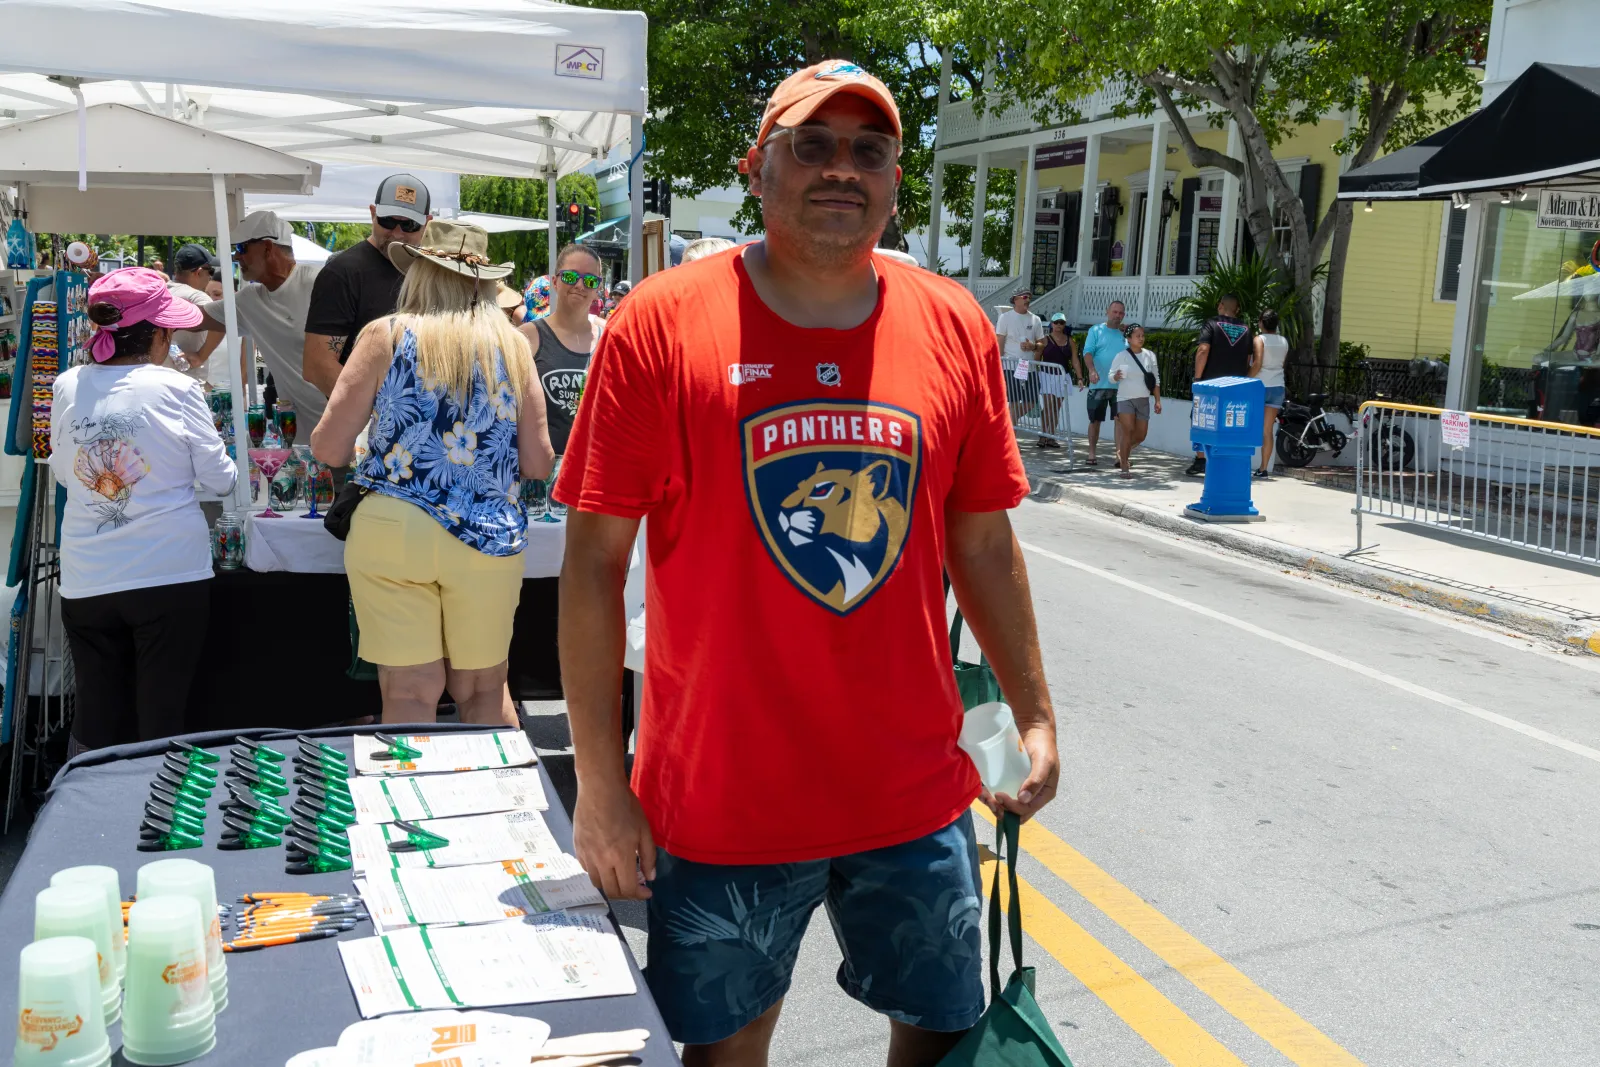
<point x="455" y="421"/>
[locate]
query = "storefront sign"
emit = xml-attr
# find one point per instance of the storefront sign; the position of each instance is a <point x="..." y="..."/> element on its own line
<point x="1066" y="154"/>
<point x="1211" y="203"/>
<point x="1456" y="428"/>
<point x="1047" y="220"/>
<point x="1562" y="209"/>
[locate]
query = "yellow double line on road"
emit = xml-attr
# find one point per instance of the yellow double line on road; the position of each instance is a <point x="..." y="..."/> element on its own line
<point x="1167" y="1028"/>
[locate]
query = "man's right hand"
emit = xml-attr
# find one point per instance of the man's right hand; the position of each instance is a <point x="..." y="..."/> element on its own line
<point x="612" y="838"/>
<point x="1094" y="377"/>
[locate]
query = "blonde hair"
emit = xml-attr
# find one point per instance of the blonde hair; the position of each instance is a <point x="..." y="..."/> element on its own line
<point x="702" y="247"/>
<point x="458" y="324"/>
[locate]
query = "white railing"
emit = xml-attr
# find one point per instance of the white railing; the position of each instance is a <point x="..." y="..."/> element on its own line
<point x="984" y="288"/>
<point x="960" y="123"/>
<point x="1062" y="298"/>
<point x="1093" y="294"/>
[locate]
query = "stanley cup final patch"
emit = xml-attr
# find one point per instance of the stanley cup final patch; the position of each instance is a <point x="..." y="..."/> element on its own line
<point x="831" y="486"/>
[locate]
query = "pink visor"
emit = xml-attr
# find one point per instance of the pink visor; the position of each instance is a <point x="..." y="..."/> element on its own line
<point x="141" y="295"/>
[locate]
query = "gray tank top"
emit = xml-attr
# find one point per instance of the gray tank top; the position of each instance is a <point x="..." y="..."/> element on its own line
<point x="562" y="373"/>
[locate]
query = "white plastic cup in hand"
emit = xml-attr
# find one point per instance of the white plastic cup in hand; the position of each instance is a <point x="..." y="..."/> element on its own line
<point x="167" y="1016"/>
<point x="80" y="911"/>
<point x="59" y="1019"/>
<point x="989" y="736"/>
<point x="107" y="880"/>
<point x="184" y="877"/>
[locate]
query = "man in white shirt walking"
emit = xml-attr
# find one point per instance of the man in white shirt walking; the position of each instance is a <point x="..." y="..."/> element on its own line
<point x="272" y="309"/>
<point x="1020" y="333"/>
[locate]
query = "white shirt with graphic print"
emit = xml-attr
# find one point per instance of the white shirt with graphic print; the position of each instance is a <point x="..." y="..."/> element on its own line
<point x="129" y="443"/>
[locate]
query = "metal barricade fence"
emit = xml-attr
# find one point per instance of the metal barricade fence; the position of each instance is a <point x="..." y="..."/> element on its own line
<point x="1036" y="394"/>
<point x="1520" y="482"/>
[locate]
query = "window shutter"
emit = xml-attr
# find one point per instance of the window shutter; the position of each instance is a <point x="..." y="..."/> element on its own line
<point x="1311" y="192"/>
<point x="1191" y="189"/>
<point x="1450" y="270"/>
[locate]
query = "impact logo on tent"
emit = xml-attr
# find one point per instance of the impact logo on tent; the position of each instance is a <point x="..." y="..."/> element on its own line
<point x="831" y="486"/>
<point x="580" y="61"/>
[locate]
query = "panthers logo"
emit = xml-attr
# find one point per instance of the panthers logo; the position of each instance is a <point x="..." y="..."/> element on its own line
<point x="830" y="486"/>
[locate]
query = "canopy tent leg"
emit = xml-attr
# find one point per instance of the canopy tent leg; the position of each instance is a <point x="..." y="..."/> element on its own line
<point x="636" y="200"/>
<point x="553" y="234"/>
<point x="232" y="348"/>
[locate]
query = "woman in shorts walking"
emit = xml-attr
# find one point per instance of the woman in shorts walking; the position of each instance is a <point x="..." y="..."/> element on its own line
<point x="1138" y="386"/>
<point x="1266" y="363"/>
<point x="1058" y="351"/>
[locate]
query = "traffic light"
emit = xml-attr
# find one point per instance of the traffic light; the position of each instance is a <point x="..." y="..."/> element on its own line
<point x="658" y="196"/>
<point x="575" y="216"/>
<point x="591" y="218"/>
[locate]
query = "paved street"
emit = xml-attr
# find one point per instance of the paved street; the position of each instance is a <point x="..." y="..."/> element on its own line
<point x="1370" y="840"/>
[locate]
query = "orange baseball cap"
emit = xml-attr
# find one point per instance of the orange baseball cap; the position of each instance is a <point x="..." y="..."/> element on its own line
<point x="801" y="93"/>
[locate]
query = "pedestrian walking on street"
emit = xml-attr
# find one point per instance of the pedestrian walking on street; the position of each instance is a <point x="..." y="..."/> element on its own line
<point x="1223" y="351"/>
<point x="1058" y="351"/>
<point x="1100" y="347"/>
<point x="563" y="341"/>
<point x="1266" y="363"/>
<point x="1138" y="387"/>
<point x="1020" y="333"/>
<point x="817" y="433"/>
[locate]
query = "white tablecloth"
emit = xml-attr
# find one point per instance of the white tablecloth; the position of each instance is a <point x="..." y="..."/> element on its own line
<point x="296" y="543"/>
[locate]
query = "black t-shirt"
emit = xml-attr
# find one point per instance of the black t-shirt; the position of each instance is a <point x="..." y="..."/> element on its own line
<point x="562" y="372"/>
<point x="1231" y="346"/>
<point x="1060" y="355"/>
<point x="354" y="287"/>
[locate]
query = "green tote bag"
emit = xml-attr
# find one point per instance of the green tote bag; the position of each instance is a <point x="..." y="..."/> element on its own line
<point x="1013" y="1032"/>
<point x="976" y="681"/>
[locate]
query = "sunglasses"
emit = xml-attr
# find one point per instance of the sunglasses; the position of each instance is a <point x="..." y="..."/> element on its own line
<point x="392" y="222"/>
<point x="572" y="277"/>
<point x="815" y="145"/>
<point x="239" y="249"/>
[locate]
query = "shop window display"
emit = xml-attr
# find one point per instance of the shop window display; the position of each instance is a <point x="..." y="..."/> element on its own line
<point x="1536" y="320"/>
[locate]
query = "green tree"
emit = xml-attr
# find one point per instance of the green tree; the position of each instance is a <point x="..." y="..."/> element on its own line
<point x="1401" y="68"/>
<point x="714" y="63"/>
<point x="524" y="198"/>
<point x="1000" y="202"/>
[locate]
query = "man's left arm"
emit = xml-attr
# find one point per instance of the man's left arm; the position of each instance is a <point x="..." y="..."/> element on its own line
<point x="330" y="322"/>
<point x="990" y="581"/>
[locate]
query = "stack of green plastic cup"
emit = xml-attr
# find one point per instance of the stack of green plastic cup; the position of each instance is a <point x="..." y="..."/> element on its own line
<point x="167" y="1014"/>
<point x="59" y="1019"/>
<point x="80" y="911"/>
<point x="105" y="879"/>
<point x="188" y="878"/>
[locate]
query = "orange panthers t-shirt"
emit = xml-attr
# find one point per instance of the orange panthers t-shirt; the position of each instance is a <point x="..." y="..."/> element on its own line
<point x="798" y="699"/>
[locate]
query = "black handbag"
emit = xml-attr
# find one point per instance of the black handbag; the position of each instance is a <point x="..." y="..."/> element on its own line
<point x="336" y="520"/>
<point x="1149" y="376"/>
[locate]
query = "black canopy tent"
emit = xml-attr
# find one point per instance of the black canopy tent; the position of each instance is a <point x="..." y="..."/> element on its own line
<point x="1543" y="129"/>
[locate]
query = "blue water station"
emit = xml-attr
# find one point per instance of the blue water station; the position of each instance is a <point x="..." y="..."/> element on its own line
<point x="1226" y="422"/>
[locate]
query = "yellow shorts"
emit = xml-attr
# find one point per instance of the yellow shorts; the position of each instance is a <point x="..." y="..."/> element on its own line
<point x="422" y="595"/>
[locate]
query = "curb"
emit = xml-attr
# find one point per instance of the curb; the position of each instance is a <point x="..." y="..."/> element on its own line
<point x="1573" y="634"/>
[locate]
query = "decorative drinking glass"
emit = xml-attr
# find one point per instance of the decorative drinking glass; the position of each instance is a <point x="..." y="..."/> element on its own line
<point x="270" y="460"/>
<point x="313" y="470"/>
<point x="256" y="419"/>
<point x="286" y="424"/>
<point x="558" y="510"/>
<point x="535" y="500"/>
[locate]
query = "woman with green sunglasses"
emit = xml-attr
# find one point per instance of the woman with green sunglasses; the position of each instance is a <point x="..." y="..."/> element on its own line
<point x="563" y="340"/>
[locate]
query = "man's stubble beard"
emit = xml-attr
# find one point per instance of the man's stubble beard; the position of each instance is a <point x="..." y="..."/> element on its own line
<point x="822" y="249"/>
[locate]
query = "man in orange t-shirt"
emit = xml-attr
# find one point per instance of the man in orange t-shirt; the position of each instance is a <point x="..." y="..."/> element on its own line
<point x="817" y="434"/>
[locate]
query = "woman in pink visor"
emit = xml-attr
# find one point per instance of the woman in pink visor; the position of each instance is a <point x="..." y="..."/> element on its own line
<point x="129" y="439"/>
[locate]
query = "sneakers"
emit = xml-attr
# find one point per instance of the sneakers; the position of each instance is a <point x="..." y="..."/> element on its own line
<point x="1197" y="469"/>
<point x="1048" y="442"/>
<point x="1262" y="473"/>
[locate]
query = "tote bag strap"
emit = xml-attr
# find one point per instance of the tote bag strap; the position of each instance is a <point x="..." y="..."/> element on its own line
<point x="955" y="642"/>
<point x="1005" y="833"/>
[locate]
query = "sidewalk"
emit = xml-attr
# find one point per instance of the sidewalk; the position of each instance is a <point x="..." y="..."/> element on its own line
<point x="1310" y="527"/>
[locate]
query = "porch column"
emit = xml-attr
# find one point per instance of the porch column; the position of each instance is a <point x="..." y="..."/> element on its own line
<point x="1461" y="387"/>
<point x="1091" y="179"/>
<point x="1150" y="246"/>
<point x="1228" y="225"/>
<point x="1014" y="264"/>
<point x="936" y="197"/>
<point x="980" y="194"/>
<point x="1030" y="200"/>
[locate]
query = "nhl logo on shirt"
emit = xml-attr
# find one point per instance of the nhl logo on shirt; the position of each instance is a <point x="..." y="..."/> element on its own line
<point x="828" y="374"/>
<point x="831" y="486"/>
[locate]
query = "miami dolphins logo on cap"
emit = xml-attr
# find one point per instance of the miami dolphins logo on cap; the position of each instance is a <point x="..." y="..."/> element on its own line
<point x="841" y="69"/>
<point x="831" y="486"/>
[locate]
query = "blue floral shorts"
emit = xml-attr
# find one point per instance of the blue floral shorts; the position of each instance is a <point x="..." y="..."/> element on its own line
<point x="723" y="939"/>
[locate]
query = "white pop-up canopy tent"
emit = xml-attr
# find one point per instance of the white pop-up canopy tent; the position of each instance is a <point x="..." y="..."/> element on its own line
<point x="115" y="167"/>
<point x="524" y="88"/>
<point x="346" y="191"/>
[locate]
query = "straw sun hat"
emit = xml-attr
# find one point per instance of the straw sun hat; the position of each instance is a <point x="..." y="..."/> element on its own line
<point x="455" y="246"/>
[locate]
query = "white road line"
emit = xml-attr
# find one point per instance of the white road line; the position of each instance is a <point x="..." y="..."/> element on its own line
<point x="1327" y="657"/>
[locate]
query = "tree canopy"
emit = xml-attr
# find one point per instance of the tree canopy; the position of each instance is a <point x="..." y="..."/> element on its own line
<point x="523" y="198"/>
<point x="1398" y="68"/>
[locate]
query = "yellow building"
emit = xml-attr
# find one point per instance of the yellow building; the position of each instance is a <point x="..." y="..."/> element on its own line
<point x="1111" y="208"/>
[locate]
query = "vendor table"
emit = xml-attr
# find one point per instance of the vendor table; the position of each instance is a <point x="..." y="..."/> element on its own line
<point x="92" y="816"/>
<point x="296" y="543"/>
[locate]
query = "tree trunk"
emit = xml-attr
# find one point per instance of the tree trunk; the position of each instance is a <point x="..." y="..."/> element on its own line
<point x="1333" y="297"/>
